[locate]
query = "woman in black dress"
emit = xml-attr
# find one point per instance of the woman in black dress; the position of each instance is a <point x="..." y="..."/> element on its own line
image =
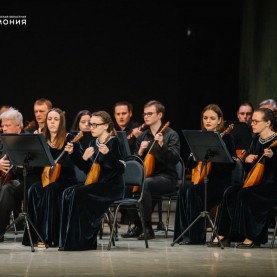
<point x="84" y="205"/>
<point x="244" y="212"/>
<point x="190" y="201"/>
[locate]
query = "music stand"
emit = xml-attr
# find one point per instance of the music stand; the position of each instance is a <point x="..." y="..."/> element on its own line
<point x="207" y="147"/>
<point x="27" y="150"/>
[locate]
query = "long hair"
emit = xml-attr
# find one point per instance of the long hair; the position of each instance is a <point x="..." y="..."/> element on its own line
<point x="213" y="107"/>
<point x="61" y="134"/>
<point x="75" y="125"/>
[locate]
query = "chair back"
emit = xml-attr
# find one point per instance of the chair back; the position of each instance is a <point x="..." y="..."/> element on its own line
<point x="180" y="169"/>
<point x="134" y="174"/>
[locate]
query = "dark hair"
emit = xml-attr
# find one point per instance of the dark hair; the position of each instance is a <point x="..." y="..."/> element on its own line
<point x="106" y="119"/>
<point x="246" y="104"/>
<point x="61" y="134"/>
<point x="269" y="115"/>
<point x="75" y="125"/>
<point x="124" y="103"/>
<point x="158" y="105"/>
<point x="217" y="110"/>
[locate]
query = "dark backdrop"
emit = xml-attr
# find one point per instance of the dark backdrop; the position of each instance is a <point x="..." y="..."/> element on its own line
<point x="91" y="54"/>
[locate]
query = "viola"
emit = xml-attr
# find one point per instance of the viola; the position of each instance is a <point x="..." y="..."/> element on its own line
<point x="255" y="175"/>
<point x="50" y="174"/>
<point x="198" y="172"/>
<point x="94" y="173"/>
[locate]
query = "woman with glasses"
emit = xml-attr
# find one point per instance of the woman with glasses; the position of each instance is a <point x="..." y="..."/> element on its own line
<point x="84" y="205"/>
<point x="243" y="215"/>
<point x="191" y="197"/>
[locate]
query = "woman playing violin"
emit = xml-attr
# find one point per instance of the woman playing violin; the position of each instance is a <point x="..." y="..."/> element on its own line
<point x="165" y="153"/>
<point x="190" y="201"/>
<point x="243" y="215"/>
<point x="84" y="205"/>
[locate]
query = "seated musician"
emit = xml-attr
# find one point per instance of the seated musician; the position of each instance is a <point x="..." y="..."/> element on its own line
<point x="163" y="179"/>
<point x="11" y="187"/>
<point x="44" y="196"/>
<point x="243" y="214"/>
<point x="190" y="200"/>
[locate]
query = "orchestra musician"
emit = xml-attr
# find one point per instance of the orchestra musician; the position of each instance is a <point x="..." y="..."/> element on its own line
<point x="84" y="205"/>
<point x="243" y="214"/>
<point x="163" y="179"/>
<point x="190" y="200"/>
<point x="11" y="187"/>
<point x="44" y="201"/>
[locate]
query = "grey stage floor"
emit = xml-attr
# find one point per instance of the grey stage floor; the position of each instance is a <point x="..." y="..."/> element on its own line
<point x="130" y="258"/>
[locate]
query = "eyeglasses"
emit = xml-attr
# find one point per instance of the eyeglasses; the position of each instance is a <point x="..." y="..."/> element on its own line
<point x="95" y="125"/>
<point x="255" y="122"/>
<point x="148" y="114"/>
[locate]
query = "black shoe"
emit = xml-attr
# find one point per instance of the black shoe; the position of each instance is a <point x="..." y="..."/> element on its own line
<point x="224" y="242"/>
<point x="133" y="233"/>
<point x="149" y="234"/>
<point x="248" y="245"/>
<point x="2" y="239"/>
<point x="61" y="249"/>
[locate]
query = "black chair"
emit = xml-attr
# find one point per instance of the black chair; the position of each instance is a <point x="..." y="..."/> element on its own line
<point x="169" y="197"/>
<point x="134" y="175"/>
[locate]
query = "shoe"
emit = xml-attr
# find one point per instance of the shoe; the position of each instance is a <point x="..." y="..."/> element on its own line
<point x="185" y="242"/>
<point x="2" y="239"/>
<point x="133" y="233"/>
<point x="149" y="234"/>
<point x="248" y="245"/>
<point x="224" y="242"/>
<point x="61" y="249"/>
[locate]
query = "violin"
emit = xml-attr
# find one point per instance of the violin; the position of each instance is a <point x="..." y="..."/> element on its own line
<point x="94" y="173"/>
<point x="50" y="174"/>
<point x="255" y="175"/>
<point x="198" y="172"/>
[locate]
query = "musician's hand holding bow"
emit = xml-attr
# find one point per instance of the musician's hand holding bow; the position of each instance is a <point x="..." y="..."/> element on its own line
<point x="4" y="164"/>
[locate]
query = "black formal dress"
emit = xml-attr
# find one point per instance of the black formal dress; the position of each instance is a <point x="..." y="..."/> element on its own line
<point x="244" y="212"/>
<point x="190" y="200"/>
<point x="44" y="203"/>
<point x="83" y="206"/>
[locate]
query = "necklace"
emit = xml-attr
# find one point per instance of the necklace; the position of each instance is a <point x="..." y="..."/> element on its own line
<point x="265" y="140"/>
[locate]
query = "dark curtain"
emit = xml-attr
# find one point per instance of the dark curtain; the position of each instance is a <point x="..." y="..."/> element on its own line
<point x="258" y="61"/>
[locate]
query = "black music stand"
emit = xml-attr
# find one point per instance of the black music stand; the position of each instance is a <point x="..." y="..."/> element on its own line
<point x="27" y="150"/>
<point x="207" y="147"/>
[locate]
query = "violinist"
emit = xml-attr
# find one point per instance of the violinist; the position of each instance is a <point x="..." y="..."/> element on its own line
<point x="190" y="200"/>
<point x="44" y="198"/>
<point x="165" y="152"/>
<point x="84" y="205"/>
<point x="243" y="214"/>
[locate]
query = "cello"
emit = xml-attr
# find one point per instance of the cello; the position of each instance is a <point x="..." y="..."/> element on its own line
<point x="256" y="173"/>
<point x="94" y="172"/>
<point x="198" y="172"/>
<point x="50" y="174"/>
